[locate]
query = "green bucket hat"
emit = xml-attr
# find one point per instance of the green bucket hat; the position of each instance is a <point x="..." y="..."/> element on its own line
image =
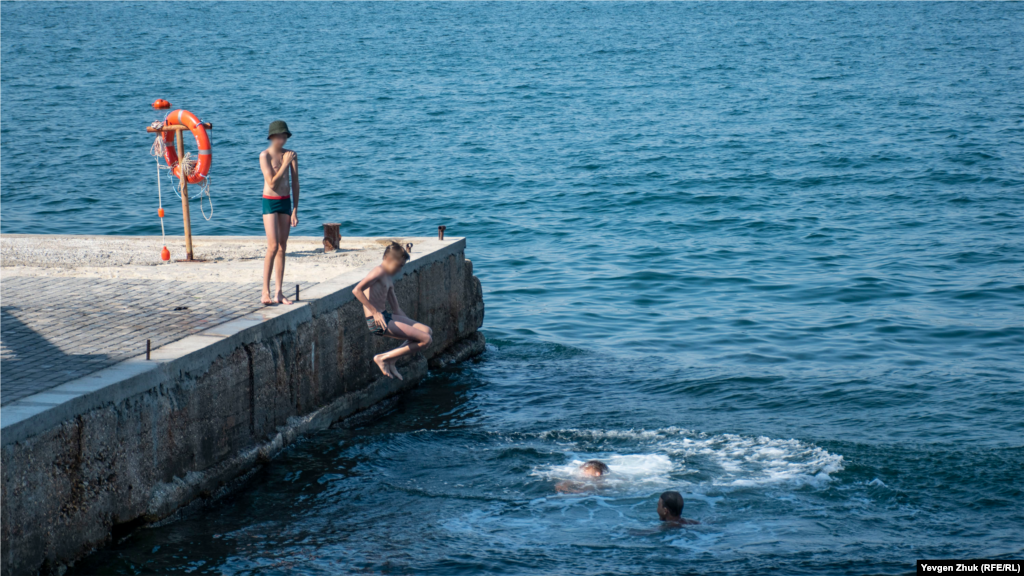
<point x="278" y="127"/>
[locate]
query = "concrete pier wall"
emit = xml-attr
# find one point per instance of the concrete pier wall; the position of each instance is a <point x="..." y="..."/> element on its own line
<point x="137" y="442"/>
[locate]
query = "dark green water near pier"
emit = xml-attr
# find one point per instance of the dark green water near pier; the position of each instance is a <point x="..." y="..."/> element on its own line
<point x="768" y="255"/>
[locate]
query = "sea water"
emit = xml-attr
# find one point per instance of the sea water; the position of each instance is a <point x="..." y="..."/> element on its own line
<point x="767" y="255"/>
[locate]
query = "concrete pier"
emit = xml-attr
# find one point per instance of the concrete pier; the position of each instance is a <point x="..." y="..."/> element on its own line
<point x="97" y="439"/>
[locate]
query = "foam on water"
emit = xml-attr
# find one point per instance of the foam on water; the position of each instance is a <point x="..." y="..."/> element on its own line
<point x="747" y="462"/>
<point x="636" y="471"/>
<point x="677" y="457"/>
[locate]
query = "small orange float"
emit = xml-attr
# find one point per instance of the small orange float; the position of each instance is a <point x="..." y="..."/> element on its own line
<point x="161" y="104"/>
<point x="165" y="254"/>
<point x="188" y="120"/>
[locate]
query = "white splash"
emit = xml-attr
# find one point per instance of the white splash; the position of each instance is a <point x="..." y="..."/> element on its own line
<point x="749" y="462"/>
<point x="626" y="470"/>
<point x="676" y="457"/>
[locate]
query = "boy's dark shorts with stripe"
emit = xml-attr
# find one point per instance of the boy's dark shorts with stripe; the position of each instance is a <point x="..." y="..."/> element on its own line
<point x="374" y="328"/>
<point x="277" y="205"/>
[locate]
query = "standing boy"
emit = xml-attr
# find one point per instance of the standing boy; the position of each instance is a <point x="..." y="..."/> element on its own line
<point x="280" y="206"/>
<point x="377" y="292"/>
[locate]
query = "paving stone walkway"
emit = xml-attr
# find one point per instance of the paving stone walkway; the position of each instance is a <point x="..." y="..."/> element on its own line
<point x="54" y="330"/>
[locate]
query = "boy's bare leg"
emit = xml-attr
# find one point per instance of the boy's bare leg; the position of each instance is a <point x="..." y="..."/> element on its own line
<point x="270" y="226"/>
<point x="385" y="368"/>
<point x="416" y="340"/>
<point x="284" y="222"/>
<point x="392" y="368"/>
<point x="417" y="325"/>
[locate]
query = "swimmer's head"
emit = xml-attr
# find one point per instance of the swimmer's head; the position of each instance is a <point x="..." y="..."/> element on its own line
<point x="394" y="258"/>
<point x="670" y="506"/>
<point x="594" y="468"/>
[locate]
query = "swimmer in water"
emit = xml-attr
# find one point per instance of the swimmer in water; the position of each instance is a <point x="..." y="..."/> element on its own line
<point x="670" y="509"/>
<point x="591" y="468"/>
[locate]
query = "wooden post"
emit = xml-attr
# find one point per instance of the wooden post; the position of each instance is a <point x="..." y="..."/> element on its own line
<point x="332" y="237"/>
<point x="180" y="145"/>
<point x="179" y="139"/>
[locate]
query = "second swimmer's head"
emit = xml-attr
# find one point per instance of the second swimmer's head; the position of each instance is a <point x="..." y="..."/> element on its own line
<point x="594" y="468"/>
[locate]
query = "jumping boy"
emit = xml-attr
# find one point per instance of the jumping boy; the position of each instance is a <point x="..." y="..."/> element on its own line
<point x="280" y="206"/>
<point x="376" y="292"/>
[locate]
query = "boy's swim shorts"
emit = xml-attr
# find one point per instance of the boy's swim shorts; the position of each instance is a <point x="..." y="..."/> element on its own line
<point x="278" y="205"/>
<point x="374" y="328"/>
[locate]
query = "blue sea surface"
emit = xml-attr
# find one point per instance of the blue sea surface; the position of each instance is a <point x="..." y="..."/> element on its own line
<point x="770" y="255"/>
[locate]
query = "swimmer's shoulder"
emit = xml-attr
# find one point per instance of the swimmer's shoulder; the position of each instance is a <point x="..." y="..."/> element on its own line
<point x="570" y="487"/>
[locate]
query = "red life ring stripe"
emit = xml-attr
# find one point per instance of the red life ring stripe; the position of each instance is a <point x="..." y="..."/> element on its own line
<point x="189" y="120"/>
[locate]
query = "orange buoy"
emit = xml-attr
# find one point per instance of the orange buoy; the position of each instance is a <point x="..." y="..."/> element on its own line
<point x="161" y="104"/>
<point x="160" y="212"/>
<point x="165" y="254"/>
<point x="189" y="120"/>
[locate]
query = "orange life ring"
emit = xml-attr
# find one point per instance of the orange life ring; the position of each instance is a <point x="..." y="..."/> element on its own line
<point x="189" y="120"/>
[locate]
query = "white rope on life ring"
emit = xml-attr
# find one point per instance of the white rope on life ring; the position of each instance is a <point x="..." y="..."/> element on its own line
<point x="188" y="164"/>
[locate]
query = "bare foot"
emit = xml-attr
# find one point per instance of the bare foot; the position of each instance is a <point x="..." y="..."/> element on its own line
<point x="394" y="371"/>
<point x="281" y="299"/>
<point x="266" y="300"/>
<point x="379" y="361"/>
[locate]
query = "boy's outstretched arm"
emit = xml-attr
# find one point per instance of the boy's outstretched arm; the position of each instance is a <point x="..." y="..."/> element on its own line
<point x="360" y="293"/>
